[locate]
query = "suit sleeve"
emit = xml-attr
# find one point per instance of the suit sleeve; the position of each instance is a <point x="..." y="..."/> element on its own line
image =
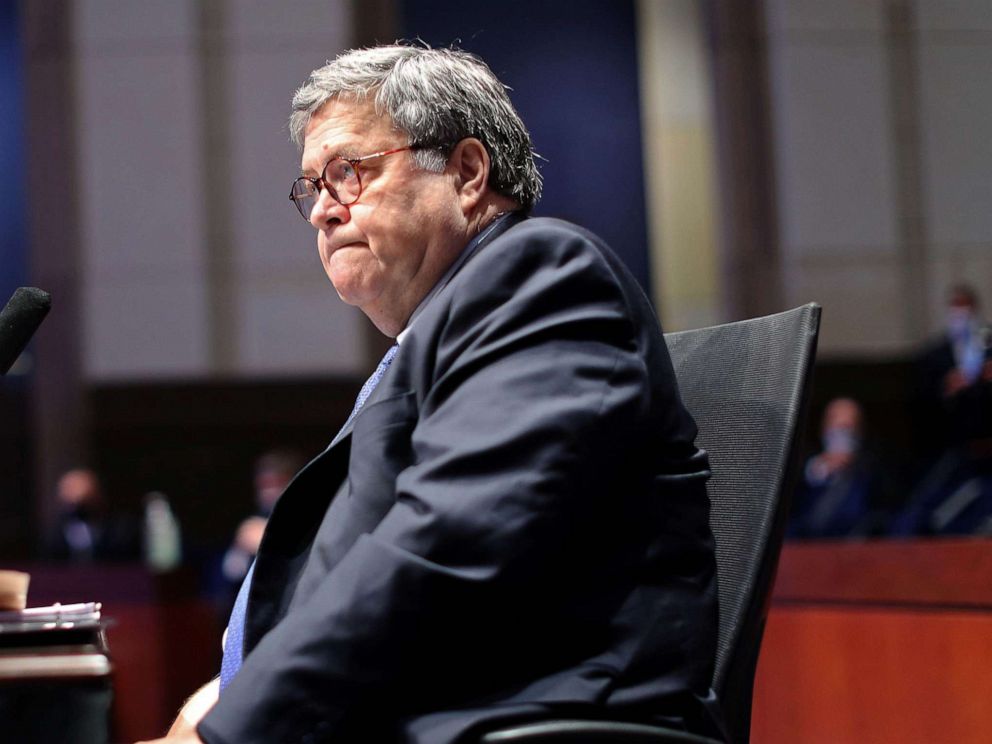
<point x="537" y="383"/>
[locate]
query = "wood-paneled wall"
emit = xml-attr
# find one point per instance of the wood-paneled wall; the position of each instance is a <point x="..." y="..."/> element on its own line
<point x="878" y="642"/>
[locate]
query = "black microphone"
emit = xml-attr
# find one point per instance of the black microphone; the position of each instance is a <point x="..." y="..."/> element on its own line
<point x="19" y="320"/>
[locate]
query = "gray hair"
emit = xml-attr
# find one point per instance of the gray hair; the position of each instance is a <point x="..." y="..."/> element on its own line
<point x="437" y="97"/>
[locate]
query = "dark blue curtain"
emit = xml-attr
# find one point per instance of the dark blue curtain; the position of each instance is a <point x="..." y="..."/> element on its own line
<point x="572" y="67"/>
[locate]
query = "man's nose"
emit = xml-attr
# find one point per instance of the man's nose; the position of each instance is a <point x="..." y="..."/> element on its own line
<point x="328" y="210"/>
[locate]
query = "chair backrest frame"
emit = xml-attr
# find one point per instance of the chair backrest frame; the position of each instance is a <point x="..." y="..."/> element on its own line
<point x="747" y="384"/>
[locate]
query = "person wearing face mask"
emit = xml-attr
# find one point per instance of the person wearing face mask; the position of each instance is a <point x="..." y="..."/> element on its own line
<point x="841" y="490"/>
<point x="85" y="531"/>
<point x="954" y="496"/>
<point x="956" y="373"/>
<point x="964" y="357"/>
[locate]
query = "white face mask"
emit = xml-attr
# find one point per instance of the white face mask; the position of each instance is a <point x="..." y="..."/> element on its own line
<point x="958" y="322"/>
<point x="840" y="440"/>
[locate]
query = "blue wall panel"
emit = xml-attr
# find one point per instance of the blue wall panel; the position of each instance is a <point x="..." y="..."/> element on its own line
<point x="573" y="70"/>
<point x="13" y="250"/>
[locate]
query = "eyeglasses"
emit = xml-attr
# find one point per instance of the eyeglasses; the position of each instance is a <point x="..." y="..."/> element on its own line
<point x="340" y="178"/>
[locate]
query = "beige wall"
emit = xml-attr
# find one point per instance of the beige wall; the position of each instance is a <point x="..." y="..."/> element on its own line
<point x="954" y="44"/>
<point x="881" y="112"/>
<point x="678" y="141"/>
<point x="194" y="262"/>
<point x="835" y="170"/>
<point x="878" y="162"/>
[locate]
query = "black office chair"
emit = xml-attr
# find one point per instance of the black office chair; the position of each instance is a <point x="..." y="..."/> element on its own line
<point x="747" y="385"/>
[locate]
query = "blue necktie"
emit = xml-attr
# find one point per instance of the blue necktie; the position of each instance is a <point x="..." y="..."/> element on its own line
<point x="234" y="646"/>
<point x="369" y="386"/>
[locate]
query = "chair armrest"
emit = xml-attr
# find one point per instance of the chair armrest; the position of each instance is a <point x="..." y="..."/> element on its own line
<point x="591" y="732"/>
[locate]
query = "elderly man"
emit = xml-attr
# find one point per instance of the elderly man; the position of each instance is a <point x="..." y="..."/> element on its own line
<point x="513" y="523"/>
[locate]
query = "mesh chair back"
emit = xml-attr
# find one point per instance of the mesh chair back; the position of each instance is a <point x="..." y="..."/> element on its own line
<point x="747" y="384"/>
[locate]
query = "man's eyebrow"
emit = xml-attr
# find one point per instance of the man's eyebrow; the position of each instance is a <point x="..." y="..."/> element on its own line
<point x="346" y="153"/>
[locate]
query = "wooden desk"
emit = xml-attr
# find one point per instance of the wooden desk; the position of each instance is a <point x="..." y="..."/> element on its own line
<point x="164" y="641"/>
<point x="878" y="642"/>
<point x="55" y="684"/>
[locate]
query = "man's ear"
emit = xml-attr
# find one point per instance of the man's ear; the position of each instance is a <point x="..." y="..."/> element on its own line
<point x="469" y="164"/>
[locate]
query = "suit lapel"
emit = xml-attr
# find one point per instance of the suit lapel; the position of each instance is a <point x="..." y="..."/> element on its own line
<point x="288" y="537"/>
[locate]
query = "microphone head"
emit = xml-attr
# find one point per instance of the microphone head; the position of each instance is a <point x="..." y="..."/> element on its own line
<point x="19" y="320"/>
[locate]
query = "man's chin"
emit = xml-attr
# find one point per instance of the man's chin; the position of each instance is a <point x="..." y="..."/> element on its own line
<point x="344" y="296"/>
<point x="351" y="291"/>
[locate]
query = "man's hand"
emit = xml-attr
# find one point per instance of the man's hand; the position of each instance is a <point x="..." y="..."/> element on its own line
<point x="181" y="739"/>
<point x="183" y="729"/>
<point x="954" y="383"/>
<point x="249" y="535"/>
<point x="827" y="464"/>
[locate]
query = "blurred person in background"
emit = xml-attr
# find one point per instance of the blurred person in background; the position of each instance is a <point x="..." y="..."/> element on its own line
<point x="85" y="530"/>
<point x="842" y="492"/>
<point x="273" y="472"/>
<point x="956" y="372"/>
<point x="954" y="496"/>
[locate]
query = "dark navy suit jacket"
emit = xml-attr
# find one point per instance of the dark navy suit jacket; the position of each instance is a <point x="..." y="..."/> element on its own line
<point x="514" y="525"/>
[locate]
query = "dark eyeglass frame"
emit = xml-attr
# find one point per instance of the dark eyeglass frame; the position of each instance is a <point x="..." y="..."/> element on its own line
<point x="320" y="183"/>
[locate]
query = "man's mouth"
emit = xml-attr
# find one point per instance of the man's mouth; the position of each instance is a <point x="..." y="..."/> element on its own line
<point x="348" y="245"/>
